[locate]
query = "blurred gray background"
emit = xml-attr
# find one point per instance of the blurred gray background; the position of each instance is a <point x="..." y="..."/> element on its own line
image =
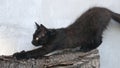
<point x="17" y="19"/>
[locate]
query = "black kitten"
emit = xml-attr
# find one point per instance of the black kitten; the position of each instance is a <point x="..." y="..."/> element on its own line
<point x="85" y="32"/>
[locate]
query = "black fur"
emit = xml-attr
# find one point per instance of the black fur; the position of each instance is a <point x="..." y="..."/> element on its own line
<point x="85" y="32"/>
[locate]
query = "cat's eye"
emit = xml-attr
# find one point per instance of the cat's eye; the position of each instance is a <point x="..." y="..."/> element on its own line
<point x="37" y="38"/>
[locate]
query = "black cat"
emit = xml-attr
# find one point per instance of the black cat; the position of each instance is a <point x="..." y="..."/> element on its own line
<point x="85" y="32"/>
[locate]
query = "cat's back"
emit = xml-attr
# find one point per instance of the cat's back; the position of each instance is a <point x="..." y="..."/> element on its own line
<point x="93" y="17"/>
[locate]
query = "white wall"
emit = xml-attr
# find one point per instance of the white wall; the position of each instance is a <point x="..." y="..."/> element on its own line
<point x="17" y="24"/>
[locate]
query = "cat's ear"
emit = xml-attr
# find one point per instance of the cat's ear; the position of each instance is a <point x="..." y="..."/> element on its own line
<point x="37" y="26"/>
<point x="43" y="28"/>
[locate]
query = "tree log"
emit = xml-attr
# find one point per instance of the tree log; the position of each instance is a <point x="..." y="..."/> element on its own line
<point x="65" y="60"/>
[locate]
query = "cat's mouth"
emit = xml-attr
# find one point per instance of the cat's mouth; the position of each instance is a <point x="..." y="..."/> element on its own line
<point x="38" y="43"/>
<point x="35" y="44"/>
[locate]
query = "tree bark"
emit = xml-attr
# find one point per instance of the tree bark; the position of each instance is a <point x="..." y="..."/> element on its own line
<point x="65" y="60"/>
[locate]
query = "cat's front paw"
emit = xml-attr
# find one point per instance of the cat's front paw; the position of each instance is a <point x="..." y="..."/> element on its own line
<point x="20" y="55"/>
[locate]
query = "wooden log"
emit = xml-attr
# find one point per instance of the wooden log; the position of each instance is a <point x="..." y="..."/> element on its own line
<point x="65" y="60"/>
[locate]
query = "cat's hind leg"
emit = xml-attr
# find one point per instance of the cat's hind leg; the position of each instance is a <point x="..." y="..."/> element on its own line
<point x="90" y="45"/>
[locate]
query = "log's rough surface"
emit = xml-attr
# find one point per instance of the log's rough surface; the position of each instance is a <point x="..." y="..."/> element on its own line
<point x="65" y="60"/>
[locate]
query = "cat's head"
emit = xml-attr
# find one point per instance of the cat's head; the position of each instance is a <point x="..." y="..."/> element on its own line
<point x="41" y="36"/>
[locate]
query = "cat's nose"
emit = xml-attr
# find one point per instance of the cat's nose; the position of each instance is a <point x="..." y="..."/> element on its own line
<point x="35" y="43"/>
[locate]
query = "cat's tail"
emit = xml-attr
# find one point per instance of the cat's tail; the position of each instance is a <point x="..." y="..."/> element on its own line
<point x="115" y="16"/>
